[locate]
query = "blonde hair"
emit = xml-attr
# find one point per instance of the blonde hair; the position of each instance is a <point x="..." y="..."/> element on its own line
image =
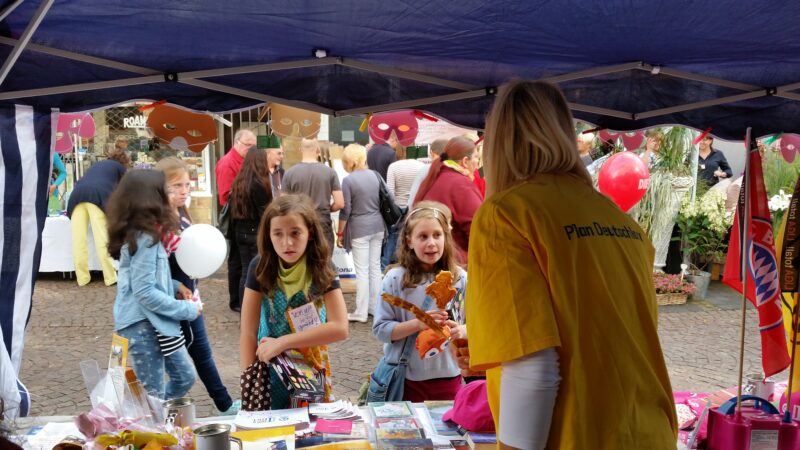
<point x="405" y="254"/>
<point x="529" y="131"/>
<point x="586" y="138"/>
<point x="354" y="157"/>
<point x="173" y="168"/>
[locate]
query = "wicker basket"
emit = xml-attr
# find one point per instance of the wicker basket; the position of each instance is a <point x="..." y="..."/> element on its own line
<point x="673" y="298"/>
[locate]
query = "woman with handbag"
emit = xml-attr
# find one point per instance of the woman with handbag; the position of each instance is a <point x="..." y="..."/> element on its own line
<point x="450" y="181"/>
<point x="361" y="228"/>
<point x="425" y="248"/>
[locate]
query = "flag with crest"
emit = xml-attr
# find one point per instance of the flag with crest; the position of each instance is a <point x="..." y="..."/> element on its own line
<point x="751" y="262"/>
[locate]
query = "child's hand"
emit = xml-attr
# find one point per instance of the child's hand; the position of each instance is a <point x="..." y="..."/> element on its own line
<point x="269" y="348"/>
<point x="457" y="331"/>
<point x="437" y="315"/>
<point x="183" y="293"/>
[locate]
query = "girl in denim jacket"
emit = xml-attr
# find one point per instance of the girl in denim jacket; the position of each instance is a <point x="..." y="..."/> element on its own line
<point x="146" y="310"/>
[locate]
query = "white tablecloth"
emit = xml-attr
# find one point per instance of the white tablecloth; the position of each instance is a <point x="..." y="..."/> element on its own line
<point x="57" y="247"/>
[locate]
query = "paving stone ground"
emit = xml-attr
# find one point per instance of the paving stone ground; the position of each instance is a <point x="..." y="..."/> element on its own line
<point x="70" y="324"/>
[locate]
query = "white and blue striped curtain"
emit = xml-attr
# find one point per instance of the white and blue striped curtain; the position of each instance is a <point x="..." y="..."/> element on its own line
<point x="26" y="146"/>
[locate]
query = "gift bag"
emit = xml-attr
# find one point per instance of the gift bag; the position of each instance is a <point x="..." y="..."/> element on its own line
<point x="255" y="384"/>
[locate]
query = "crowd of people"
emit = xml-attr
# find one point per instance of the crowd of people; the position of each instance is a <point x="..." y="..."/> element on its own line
<point x="554" y="344"/>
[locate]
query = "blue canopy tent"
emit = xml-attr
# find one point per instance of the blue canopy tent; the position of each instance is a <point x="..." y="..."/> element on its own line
<point x="622" y="65"/>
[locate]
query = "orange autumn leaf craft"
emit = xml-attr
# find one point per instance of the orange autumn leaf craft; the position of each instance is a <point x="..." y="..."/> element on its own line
<point x="430" y="342"/>
<point x="442" y="289"/>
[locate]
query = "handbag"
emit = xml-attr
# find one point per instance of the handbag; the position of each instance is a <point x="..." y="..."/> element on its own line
<point x="224" y="219"/>
<point x="389" y="210"/>
<point x="386" y="382"/>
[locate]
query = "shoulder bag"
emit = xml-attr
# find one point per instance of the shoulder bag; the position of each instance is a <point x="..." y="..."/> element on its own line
<point x="390" y="212"/>
<point x="386" y="382"/>
<point x="224" y="219"/>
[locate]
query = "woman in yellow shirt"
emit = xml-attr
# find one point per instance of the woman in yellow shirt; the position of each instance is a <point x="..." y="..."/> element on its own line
<point x="560" y="308"/>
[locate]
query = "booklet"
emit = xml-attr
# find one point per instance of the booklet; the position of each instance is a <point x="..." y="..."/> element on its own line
<point x="249" y="420"/>
<point x="381" y="410"/>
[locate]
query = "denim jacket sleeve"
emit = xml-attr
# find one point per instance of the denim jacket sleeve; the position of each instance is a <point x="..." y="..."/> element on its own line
<point x="144" y="284"/>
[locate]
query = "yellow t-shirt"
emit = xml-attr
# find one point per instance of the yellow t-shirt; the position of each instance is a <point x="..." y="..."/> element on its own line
<point x="553" y="263"/>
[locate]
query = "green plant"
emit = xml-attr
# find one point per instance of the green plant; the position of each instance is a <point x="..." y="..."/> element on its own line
<point x="657" y="197"/>
<point x="675" y="150"/>
<point x="779" y="175"/>
<point x="704" y="226"/>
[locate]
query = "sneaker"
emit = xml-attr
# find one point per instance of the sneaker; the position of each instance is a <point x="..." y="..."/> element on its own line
<point x="354" y="318"/>
<point x="233" y="410"/>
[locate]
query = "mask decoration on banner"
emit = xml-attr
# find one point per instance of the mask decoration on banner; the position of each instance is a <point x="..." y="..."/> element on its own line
<point x="790" y="146"/>
<point x="624" y="178"/>
<point x="287" y="121"/>
<point x="182" y="129"/>
<point x="72" y="124"/>
<point x="631" y="141"/>
<point x="403" y="124"/>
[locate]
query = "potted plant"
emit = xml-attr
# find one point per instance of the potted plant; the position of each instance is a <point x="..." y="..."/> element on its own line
<point x="670" y="181"/>
<point x="671" y="289"/>
<point x="704" y="227"/>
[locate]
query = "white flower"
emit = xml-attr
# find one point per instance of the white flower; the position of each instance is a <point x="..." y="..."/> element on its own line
<point x="779" y="201"/>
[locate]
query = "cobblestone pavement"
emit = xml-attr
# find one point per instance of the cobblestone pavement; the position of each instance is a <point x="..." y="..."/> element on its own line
<point x="70" y="324"/>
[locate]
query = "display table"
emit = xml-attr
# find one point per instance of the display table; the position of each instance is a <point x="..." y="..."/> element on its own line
<point x="57" y="247"/>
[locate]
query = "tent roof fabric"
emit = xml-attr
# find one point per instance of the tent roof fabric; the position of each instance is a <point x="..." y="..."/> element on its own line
<point x="645" y="60"/>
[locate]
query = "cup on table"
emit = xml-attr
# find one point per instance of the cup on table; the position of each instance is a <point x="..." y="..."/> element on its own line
<point x="215" y="436"/>
<point x="755" y="384"/>
<point x="181" y="410"/>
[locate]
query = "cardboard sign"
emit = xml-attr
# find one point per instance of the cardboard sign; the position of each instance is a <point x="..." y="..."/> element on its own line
<point x="304" y="317"/>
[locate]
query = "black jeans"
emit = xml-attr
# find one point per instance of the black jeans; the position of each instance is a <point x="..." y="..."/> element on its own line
<point x="234" y="274"/>
<point x="200" y="351"/>
<point x="248" y="249"/>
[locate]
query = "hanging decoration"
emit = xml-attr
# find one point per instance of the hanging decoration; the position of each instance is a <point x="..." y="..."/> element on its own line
<point x="403" y="124"/>
<point x="630" y="141"/>
<point x="72" y="124"/>
<point x="790" y="146"/>
<point x="181" y="129"/>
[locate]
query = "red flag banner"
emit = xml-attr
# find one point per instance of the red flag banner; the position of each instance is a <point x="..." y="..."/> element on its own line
<point x="751" y="256"/>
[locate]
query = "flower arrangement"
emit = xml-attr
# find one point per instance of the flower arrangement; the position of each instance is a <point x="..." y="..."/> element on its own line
<point x="672" y="284"/>
<point x="704" y="225"/>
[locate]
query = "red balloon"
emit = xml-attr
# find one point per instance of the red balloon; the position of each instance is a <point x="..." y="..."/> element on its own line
<point x="624" y="178"/>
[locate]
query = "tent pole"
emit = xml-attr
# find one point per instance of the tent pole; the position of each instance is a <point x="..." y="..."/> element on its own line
<point x="413" y="103"/>
<point x="601" y="111"/>
<point x="9" y="9"/>
<point x="38" y="16"/>
<point x="256" y="96"/>
<point x="703" y="104"/>
<point x="703" y="78"/>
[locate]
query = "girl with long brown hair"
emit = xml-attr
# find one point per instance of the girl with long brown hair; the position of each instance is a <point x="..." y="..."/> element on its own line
<point x="292" y="271"/>
<point x="425" y="248"/>
<point x="146" y="311"/>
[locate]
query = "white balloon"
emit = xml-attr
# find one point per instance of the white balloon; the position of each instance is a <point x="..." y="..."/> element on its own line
<point x="201" y="251"/>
